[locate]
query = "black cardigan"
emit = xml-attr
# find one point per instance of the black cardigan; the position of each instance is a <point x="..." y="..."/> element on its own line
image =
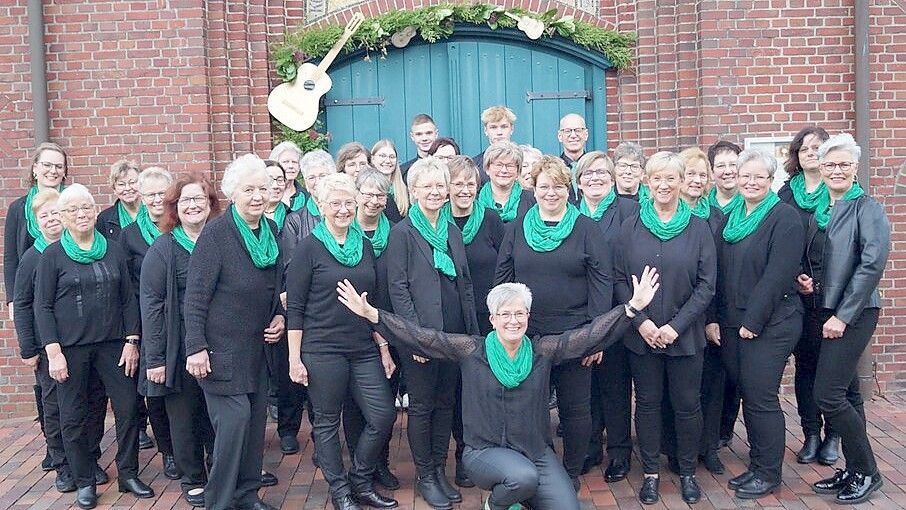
<point x="108" y="222"/>
<point x="24" y="304"/>
<point x="229" y="304"/>
<point x="16" y="240"/>
<point x="135" y="247"/>
<point x="482" y="256"/>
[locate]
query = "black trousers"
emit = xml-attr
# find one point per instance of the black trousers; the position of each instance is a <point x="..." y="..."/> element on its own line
<point x="238" y="422"/>
<point x="513" y="478"/>
<point x="432" y="396"/>
<point x="712" y="397"/>
<point x="331" y="377"/>
<point x="730" y="409"/>
<point x="611" y="404"/>
<point x="291" y="397"/>
<point x="153" y="410"/>
<point x="354" y="420"/>
<point x="190" y="430"/>
<point x="680" y="378"/>
<point x="836" y="371"/>
<point x="756" y="365"/>
<point x="573" y="383"/>
<point x="87" y="364"/>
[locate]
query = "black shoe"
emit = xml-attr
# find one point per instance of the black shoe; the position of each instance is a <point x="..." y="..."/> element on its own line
<point x="832" y="485"/>
<point x="673" y="464"/>
<point x="756" y="488"/>
<point x="736" y="481"/>
<point x="100" y="476"/>
<point x="429" y="489"/>
<point x="170" y="469"/>
<point x="448" y="489"/>
<point x="829" y="451"/>
<point x="87" y="497"/>
<point x="257" y="505"/>
<point x="616" y="470"/>
<point x="859" y="488"/>
<point x="591" y="461"/>
<point x="462" y="479"/>
<point x="345" y="503"/>
<point x="64" y="481"/>
<point x="289" y="445"/>
<point x="47" y="463"/>
<point x="374" y="500"/>
<point x="144" y="440"/>
<point x="690" y="490"/>
<point x="712" y="463"/>
<point x="385" y="478"/>
<point x="137" y="487"/>
<point x="194" y="496"/>
<point x="268" y="479"/>
<point x="809" y="451"/>
<point x="649" y="493"/>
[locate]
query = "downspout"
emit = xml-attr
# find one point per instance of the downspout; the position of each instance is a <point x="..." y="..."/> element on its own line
<point x="865" y="369"/>
<point x="40" y="106"/>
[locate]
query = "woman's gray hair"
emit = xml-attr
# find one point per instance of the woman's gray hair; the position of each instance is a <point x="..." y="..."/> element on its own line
<point x="841" y="142"/>
<point x="750" y="155"/>
<point x="72" y="193"/>
<point x="506" y="293"/>
<point x="154" y="173"/>
<point x="426" y="167"/>
<point x="334" y="182"/>
<point x="314" y="159"/>
<point x="529" y="151"/>
<point x="665" y="160"/>
<point x="589" y="158"/>
<point x="463" y="166"/>
<point x="503" y="149"/>
<point x="122" y="167"/>
<point x="630" y="150"/>
<point x="282" y="147"/>
<point x="239" y="169"/>
<point x="372" y="177"/>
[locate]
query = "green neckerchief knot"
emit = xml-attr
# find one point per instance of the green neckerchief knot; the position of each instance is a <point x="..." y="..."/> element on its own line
<point x="712" y="198"/>
<point x="470" y="229"/>
<point x="280" y="215"/>
<point x="380" y="236"/>
<point x="739" y="226"/>
<point x="509" y="209"/>
<point x="702" y="208"/>
<point x="262" y="249"/>
<point x="179" y="234"/>
<point x="149" y="230"/>
<point x="805" y="200"/>
<point x="669" y="230"/>
<point x="437" y="238"/>
<point x="601" y="207"/>
<point x="823" y="210"/>
<point x="126" y="219"/>
<point x="350" y="254"/>
<point x="510" y="372"/>
<point x="73" y="251"/>
<point x="644" y="193"/>
<point x="298" y="202"/>
<point x="541" y="237"/>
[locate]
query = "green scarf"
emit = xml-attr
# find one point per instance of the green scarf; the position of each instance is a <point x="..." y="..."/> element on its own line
<point x="183" y="239"/>
<point x="509" y="209"/>
<point x="739" y="226"/>
<point x="543" y="238"/>
<point x="96" y="252"/>
<point x="509" y="372"/>
<point x="380" y="236"/>
<point x="350" y="254"/>
<point x="280" y="215"/>
<point x="703" y="208"/>
<point x="712" y="198"/>
<point x="470" y="229"/>
<point x="125" y="218"/>
<point x="41" y="244"/>
<point x="298" y="202"/>
<point x="602" y="205"/>
<point x="262" y="249"/>
<point x="31" y="223"/>
<point x="312" y="207"/>
<point x="823" y="209"/>
<point x="149" y="230"/>
<point x="644" y="193"/>
<point x="806" y="201"/>
<point x="661" y="230"/>
<point x="436" y="238"/>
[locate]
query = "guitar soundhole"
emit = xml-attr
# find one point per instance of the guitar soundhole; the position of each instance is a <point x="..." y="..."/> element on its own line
<point x="309" y="85"/>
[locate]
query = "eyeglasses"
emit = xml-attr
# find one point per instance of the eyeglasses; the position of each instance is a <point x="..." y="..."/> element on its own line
<point x="845" y="166"/>
<point x="337" y="205"/>
<point x="371" y="196"/>
<point x="545" y="189"/>
<point x="250" y="191"/>
<point x="464" y="185"/>
<point x="658" y="180"/>
<point x="155" y="196"/>
<point x="279" y="180"/>
<point x="501" y="166"/>
<point x="47" y="165"/>
<point x="198" y="200"/>
<point x="85" y="208"/>
<point x="573" y="131"/>
<point x="629" y="166"/>
<point x="753" y="178"/>
<point x="52" y="213"/>
<point x="433" y="187"/>
<point x="125" y="184"/>
<point x="725" y="166"/>
<point x="508" y="316"/>
<point x="384" y="156"/>
<point x="589" y="174"/>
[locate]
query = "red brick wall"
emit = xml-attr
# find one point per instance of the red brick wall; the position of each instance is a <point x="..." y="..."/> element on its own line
<point x="184" y="83"/>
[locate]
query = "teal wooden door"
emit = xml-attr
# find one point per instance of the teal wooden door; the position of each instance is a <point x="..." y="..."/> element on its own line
<point x="454" y="81"/>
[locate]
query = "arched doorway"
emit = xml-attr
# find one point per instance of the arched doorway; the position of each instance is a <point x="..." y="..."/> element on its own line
<point x="455" y="79"/>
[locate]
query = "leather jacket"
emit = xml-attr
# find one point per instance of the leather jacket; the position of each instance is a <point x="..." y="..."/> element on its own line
<point x="297" y="226"/>
<point x="855" y="254"/>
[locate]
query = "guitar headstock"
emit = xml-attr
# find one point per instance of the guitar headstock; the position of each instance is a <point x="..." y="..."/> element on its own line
<point x="354" y="23"/>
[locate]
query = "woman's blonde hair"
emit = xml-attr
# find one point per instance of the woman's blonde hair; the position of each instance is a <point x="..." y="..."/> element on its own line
<point x="31" y="179"/>
<point x="400" y="194"/>
<point x="120" y="169"/>
<point x="553" y="167"/>
<point x="665" y="160"/>
<point x="334" y="182"/>
<point x="42" y="198"/>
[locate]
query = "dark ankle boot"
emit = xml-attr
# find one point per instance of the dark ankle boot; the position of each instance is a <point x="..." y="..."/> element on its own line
<point x="809" y="451"/>
<point x="429" y="489"/>
<point x="462" y="478"/>
<point x="830" y="450"/>
<point x="690" y="490"/>
<point x="448" y="489"/>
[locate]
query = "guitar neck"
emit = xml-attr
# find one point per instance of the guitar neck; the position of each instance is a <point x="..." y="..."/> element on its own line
<point x="332" y="55"/>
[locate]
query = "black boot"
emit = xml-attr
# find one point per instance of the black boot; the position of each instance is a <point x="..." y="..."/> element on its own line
<point x="170" y="469"/>
<point x="830" y="450"/>
<point x="374" y="499"/>
<point x="859" y="488"/>
<point x="832" y="485"/>
<point x="385" y="477"/>
<point x="649" y="494"/>
<point x="144" y="440"/>
<point x="736" y="481"/>
<point x="462" y="479"/>
<point x="690" y="490"/>
<point x="47" y="463"/>
<point x="449" y="490"/>
<point x="65" y="481"/>
<point x="429" y="489"/>
<point x="616" y="470"/>
<point x="100" y="476"/>
<point x="809" y="451"/>
<point x="87" y="497"/>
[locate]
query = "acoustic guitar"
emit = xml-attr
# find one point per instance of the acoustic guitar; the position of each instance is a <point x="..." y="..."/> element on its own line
<point x="297" y="104"/>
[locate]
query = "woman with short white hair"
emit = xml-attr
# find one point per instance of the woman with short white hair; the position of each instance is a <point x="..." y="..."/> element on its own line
<point x="232" y="308"/>
<point x="503" y="192"/>
<point x="288" y="154"/>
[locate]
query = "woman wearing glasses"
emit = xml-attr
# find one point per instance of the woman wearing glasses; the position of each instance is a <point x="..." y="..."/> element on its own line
<point x="276" y="209"/>
<point x="503" y="192"/>
<point x="352" y="158"/>
<point x="289" y="156"/>
<point x="430" y="284"/>
<point x="555" y="248"/>
<point x="124" y="181"/>
<point x="384" y="159"/>
<point x="629" y="159"/>
<point x="723" y="157"/>
<point x="314" y="165"/>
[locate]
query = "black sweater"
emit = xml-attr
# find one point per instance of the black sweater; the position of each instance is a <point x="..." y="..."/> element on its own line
<point x="492" y="415"/>
<point x="82" y="304"/>
<point x="569" y="285"/>
<point x="482" y="256"/>
<point x="24" y="304"/>
<point x="135" y="247"/>
<point x="311" y="299"/>
<point x="16" y="240"/>
<point x="108" y="222"/>
<point x="229" y="303"/>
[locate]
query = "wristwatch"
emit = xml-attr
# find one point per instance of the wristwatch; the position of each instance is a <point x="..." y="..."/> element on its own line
<point x="132" y="340"/>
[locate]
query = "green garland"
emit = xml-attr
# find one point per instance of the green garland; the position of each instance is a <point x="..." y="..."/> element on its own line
<point x="438" y="22"/>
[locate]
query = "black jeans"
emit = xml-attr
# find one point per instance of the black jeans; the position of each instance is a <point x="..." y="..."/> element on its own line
<point x="331" y="377"/>
<point x="190" y="430"/>
<point x="730" y="408"/>
<point x="87" y="364"/>
<point x="513" y="478"/>
<point x="432" y="395"/>
<point x="756" y="365"/>
<point x="290" y="396"/>
<point x="153" y="410"/>
<point x="611" y="408"/>
<point x="712" y="395"/>
<point x="354" y="420"/>
<point x="573" y="383"/>
<point x="680" y="377"/>
<point x="836" y="371"/>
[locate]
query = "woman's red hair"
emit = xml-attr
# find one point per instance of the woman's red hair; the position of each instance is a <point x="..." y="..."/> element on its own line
<point x="171" y="200"/>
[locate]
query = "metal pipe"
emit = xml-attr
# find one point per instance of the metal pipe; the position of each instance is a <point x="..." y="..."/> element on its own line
<point x="40" y="105"/>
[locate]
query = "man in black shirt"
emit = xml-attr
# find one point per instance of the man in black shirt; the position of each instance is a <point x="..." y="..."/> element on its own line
<point x="423" y="132"/>
<point x="499" y="123"/>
